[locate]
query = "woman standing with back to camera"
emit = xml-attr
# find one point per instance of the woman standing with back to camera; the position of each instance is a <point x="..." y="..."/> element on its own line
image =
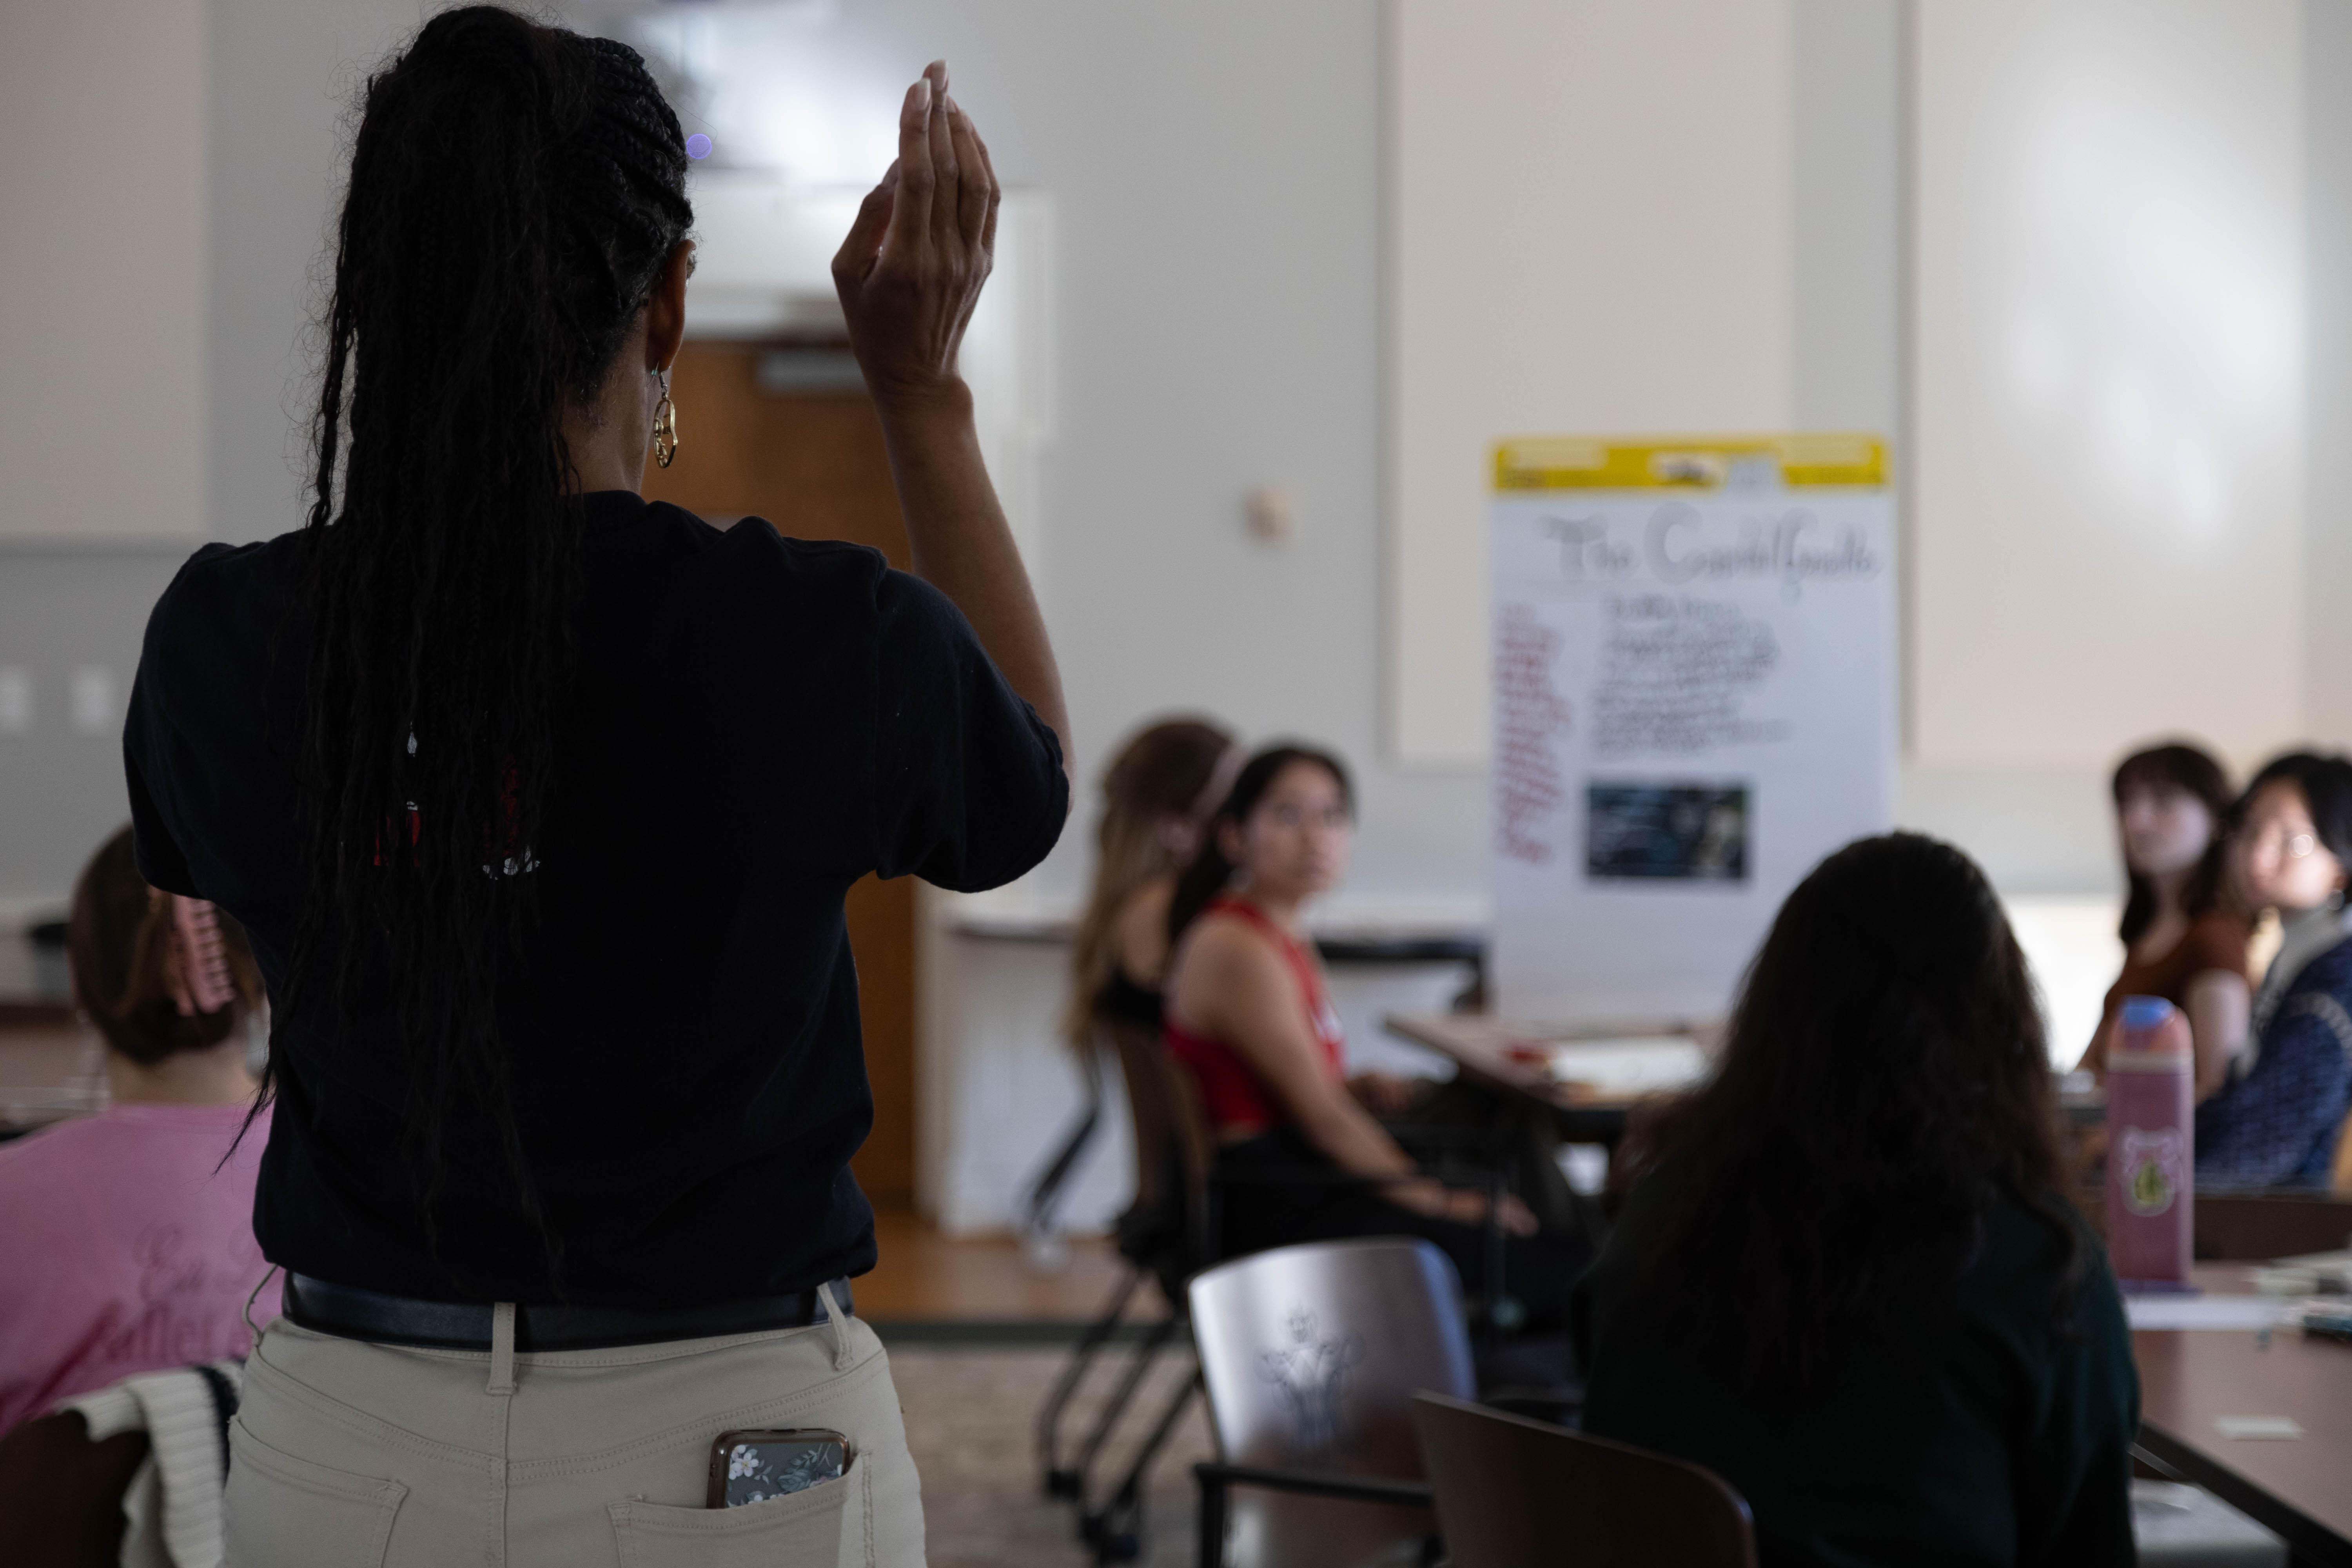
<point x="540" y="803"/>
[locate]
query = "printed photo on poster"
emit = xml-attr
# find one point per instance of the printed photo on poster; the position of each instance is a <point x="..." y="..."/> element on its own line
<point x="1667" y="832"/>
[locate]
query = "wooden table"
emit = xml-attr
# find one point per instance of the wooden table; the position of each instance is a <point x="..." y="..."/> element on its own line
<point x="1514" y="1055"/>
<point x="2190" y="1378"/>
<point x="1509" y="1054"/>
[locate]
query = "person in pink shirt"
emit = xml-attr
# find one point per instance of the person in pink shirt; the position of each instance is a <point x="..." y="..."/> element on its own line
<point x="128" y="1234"/>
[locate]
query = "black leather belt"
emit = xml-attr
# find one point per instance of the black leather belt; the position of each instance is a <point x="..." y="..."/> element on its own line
<point x="356" y="1314"/>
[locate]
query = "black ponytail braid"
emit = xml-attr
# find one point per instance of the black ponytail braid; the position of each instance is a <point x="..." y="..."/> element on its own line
<point x="515" y="192"/>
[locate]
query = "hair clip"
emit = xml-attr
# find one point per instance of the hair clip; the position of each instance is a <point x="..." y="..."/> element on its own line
<point x="199" y="968"/>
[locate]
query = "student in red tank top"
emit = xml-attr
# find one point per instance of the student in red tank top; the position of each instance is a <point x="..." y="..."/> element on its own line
<point x="1249" y="1013"/>
<point x="1236" y="1101"/>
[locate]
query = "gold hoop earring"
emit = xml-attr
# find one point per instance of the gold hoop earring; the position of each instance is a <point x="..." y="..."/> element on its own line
<point x="665" y="427"/>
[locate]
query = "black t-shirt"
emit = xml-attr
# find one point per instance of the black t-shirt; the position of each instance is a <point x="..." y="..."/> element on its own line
<point x="756" y="724"/>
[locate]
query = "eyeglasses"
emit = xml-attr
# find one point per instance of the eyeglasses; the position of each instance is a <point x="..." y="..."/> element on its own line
<point x="2276" y="839"/>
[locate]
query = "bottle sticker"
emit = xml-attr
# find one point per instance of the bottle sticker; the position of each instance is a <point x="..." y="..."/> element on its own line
<point x="2153" y="1167"/>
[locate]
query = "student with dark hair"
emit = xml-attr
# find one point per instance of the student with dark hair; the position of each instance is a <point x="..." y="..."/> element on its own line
<point x="541" y="803"/>
<point x="128" y="1233"/>
<point x="2276" y="1121"/>
<point x="2184" y="936"/>
<point x="1847" y="1278"/>
<point x="1249" y="1014"/>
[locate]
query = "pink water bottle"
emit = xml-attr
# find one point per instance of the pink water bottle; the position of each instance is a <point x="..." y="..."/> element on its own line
<point x="2150" y="1157"/>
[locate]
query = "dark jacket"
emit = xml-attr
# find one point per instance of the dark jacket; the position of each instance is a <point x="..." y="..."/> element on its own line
<point x="2275" y="1125"/>
<point x="1971" y="1429"/>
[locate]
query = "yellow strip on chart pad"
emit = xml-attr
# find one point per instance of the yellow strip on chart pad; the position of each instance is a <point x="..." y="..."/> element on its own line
<point x="1794" y="462"/>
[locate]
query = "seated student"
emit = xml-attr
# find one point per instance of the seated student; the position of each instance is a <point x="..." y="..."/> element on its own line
<point x="1157" y="793"/>
<point x="1249" y="1014"/>
<point x="1846" y="1278"/>
<point x="2275" y="1121"/>
<point x="2184" y="937"/>
<point x="128" y="1234"/>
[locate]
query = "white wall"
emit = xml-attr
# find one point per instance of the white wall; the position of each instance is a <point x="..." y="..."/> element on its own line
<point x="166" y="175"/>
<point x="2109" y="379"/>
<point x="104" y="214"/>
<point x="2327" y="295"/>
<point x="1590" y="226"/>
<point x="284" y="76"/>
<point x="103" y="124"/>
<point x="1845" y="231"/>
<point x="2050" y="626"/>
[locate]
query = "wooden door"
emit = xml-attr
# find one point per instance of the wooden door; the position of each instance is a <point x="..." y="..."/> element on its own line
<point x="812" y="464"/>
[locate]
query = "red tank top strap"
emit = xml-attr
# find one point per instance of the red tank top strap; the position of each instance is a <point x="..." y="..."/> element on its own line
<point x="1293" y="952"/>
<point x="1231" y="1090"/>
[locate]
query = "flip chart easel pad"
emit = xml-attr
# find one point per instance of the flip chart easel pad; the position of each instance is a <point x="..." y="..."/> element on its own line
<point x="1695" y="702"/>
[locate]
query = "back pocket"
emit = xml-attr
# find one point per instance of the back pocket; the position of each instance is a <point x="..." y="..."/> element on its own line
<point x="801" y="1530"/>
<point x="284" y="1510"/>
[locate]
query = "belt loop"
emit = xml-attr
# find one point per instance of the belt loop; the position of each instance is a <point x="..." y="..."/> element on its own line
<point x="840" y="1328"/>
<point x="502" y="1331"/>
<point x="249" y="1300"/>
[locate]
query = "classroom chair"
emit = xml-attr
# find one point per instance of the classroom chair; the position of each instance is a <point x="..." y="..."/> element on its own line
<point x="1311" y="1356"/>
<point x="1167" y="1236"/>
<point x="1513" y="1493"/>
<point x="2246" y="1227"/>
<point x="1161" y="1238"/>
<point x="129" y="1474"/>
<point x="61" y="1494"/>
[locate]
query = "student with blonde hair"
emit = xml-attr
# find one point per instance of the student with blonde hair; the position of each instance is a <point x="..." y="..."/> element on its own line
<point x="130" y="1234"/>
<point x="1157" y="793"/>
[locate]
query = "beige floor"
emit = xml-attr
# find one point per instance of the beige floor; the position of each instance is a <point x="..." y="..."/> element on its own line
<point x="969" y="1416"/>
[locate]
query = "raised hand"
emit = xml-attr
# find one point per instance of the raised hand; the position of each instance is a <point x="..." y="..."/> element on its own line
<point x="911" y="269"/>
<point x="909" y="275"/>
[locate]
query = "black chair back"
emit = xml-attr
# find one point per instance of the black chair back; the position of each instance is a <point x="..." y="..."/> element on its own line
<point x="1166" y="1227"/>
<point x="1516" y="1493"/>
<point x="61" y="1494"/>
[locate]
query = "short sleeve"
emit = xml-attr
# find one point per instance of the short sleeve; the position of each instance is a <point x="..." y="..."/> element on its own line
<point x="161" y="859"/>
<point x="2215" y="942"/>
<point x="969" y="787"/>
<point x="147" y="747"/>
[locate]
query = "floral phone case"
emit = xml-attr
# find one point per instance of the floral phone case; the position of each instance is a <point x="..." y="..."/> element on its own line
<point x="752" y="1467"/>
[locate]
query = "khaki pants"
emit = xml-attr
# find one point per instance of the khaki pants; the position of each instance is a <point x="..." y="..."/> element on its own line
<point x="345" y="1453"/>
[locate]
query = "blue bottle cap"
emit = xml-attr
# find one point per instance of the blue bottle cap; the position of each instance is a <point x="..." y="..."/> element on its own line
<point x="2145" y="1012"/>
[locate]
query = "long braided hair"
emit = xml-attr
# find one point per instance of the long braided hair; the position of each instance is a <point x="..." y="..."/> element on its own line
<point x="516" y="191"/>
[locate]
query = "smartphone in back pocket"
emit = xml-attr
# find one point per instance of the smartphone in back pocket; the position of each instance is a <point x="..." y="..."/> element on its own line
<point x="752" y="1467"/>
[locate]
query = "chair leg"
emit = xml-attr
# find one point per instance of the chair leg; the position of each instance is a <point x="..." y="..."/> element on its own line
<point x="1045" y="1191"/>
<point x="1061" y="1480"/>
<point x="1115" y="1530"/>
<point x="1145" y="1354"/>
<point x="1213" y="1503"/>
<point x="1505" y="1312"/>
